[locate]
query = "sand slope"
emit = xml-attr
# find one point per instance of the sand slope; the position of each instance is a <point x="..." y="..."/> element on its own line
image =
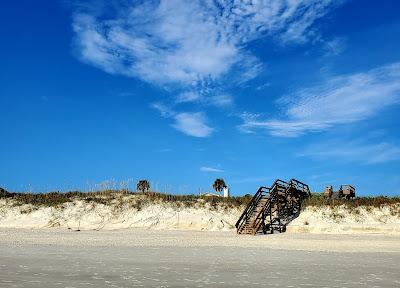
<point x="385" y="219"/>
<point x="166" y="216"/>
<point x="86" y="216"/>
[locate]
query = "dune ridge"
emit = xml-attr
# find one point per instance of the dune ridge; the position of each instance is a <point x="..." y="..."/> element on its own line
<point x="128" y="212"/>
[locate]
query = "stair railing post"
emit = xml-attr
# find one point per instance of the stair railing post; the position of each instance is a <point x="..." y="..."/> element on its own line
<point x="279" y="214"/>
<point x="270" y="217"/>
<point x="263" y="221"/>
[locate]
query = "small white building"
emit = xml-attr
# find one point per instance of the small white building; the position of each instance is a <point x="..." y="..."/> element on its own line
<point x="226" y="192"/>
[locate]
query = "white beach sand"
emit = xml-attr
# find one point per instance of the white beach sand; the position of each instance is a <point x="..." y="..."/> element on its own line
<point x="60" y="257"/>
<point x="385" y="220"/>
<point x="94" y="216"/>
<point x="183" y="238"/>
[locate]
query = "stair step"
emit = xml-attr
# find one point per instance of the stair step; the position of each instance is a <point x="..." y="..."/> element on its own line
<point x="276" y="198"/>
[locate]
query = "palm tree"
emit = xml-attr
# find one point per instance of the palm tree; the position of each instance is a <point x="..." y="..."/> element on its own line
<point x="3" y="192"/>
<point x="219" y="185"/>
<point x="143" y="186"/>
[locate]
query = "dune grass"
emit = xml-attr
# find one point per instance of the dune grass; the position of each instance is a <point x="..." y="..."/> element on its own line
<point x="319" y="200"/>
<point x="107" y="197"/>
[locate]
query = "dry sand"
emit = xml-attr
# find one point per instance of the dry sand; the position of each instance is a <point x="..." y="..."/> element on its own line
<point x="95" y="216"/>
<point x="165" y="216"/>
<point x="182" y="238"/>
<point x="150" y="258"/>
<point x="384" y="220"/>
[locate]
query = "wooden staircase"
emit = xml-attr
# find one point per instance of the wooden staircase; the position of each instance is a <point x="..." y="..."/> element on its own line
<point x="249" y="226"/>
<point x="273" y="208"/>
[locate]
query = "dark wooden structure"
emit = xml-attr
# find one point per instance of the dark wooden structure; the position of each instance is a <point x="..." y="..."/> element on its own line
<point x="328" y="192"/>
<point x="273" y="208"/>
<point x="347" y="191"/>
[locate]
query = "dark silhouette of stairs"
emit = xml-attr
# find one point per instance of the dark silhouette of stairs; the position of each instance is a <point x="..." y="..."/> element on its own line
<point x="271" y="209"/>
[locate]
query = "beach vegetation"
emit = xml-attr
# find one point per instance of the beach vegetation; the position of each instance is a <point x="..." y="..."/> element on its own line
<point x="219" y="185"/>
<point x="143" y="186"/>
<point x="122" y="199"/>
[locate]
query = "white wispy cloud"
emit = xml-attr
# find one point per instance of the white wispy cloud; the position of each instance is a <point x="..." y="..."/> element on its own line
<point x="211" y="169"/>
<point x="206" y="99"/>
<point x="263" y="86"/>
<point x="196" y="49"/>
<point x="188" y="96"/>
<point x="341" y="100"/>
<point x="354" y="151"/>
<point x="163" y="109"/>
<point x="335" y="46"/>
<point x="191" y="43"/>
<point x="223" y="100"/>
<point x="190" y="123"/>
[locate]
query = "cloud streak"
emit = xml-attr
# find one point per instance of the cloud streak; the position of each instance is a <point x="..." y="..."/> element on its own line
<point x="191" y="43"/>
<point x="190" y="123"/>
<point x="211" y="169"/>
<point x="341" y="100"/>
<point x="353" y="151"/>
<point x="194" y="49"/>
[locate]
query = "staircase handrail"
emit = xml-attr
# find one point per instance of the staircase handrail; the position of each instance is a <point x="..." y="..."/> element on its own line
<point x="255" y="214"/>
<point x="273" y="194"/>
<point x="300" y="184"/>
<point x="253" y="202"/>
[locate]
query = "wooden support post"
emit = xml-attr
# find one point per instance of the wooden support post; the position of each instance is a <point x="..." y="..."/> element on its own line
<point x="263" y="222"/>
<point x="279" y="218"/>
<point x="270" y="217"/>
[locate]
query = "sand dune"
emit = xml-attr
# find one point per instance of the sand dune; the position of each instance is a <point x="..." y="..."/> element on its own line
<point x="94" y="216"/>
<point x="167" y="216"/>
<point x="385" y="219"/>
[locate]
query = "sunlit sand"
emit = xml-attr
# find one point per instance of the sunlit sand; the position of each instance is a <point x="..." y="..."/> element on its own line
<point x="150" y="258"/>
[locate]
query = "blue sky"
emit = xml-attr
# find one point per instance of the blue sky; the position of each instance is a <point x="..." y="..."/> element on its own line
<point x="182" y="92"/>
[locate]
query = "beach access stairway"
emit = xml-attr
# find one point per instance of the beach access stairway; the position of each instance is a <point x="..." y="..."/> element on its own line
<point x="271" y="209"/>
